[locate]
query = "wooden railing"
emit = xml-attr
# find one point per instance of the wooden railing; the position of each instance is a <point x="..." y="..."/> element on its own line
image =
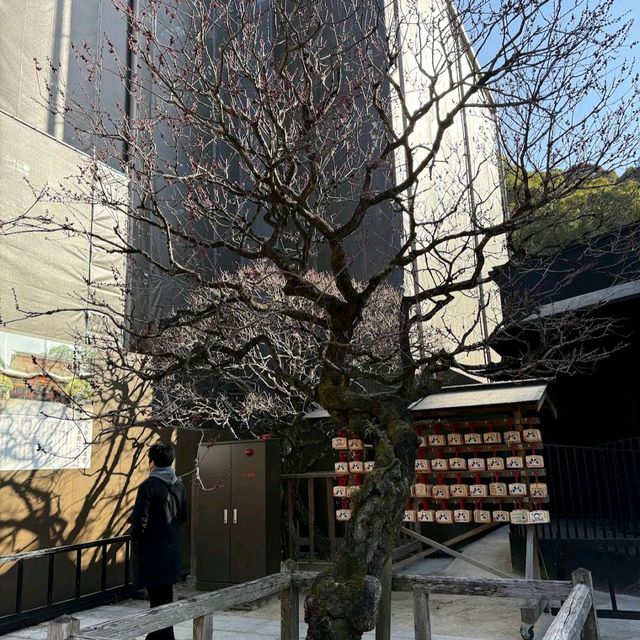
<point x="198" y="609"/>
<point x="314" y="493"/>
<point x="322" y="481"/>
<point x="576" y="618"/>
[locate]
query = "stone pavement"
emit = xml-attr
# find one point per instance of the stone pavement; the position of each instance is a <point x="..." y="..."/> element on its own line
<point x="498" y="618"/>
<point x="262" y="624"/>
<point x="226" y="626"/>
<point x="453" y="618"/>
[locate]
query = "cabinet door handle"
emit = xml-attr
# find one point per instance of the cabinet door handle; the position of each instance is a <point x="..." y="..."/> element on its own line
<point x="235" y="516"/>
<point x="226" y="516"/>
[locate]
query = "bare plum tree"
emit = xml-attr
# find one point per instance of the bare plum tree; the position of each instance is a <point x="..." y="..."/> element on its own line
<point x="316" y="186"/>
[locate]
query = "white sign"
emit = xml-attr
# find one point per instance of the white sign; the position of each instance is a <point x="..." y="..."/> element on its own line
<point x="43" y="435"/>
<point x="43" y="387"/>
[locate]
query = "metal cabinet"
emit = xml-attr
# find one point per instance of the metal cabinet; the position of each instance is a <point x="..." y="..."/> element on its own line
<point x="238" y="512"/>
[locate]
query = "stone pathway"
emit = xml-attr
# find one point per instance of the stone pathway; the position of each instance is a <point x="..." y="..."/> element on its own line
<point x="453" y="618"/>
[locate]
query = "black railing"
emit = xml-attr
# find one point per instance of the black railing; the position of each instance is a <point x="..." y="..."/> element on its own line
<point x="113" y="583"/>
<point x="595" y="517"/>
<point x="627" y="444"/>
<point x="593" y="492"/>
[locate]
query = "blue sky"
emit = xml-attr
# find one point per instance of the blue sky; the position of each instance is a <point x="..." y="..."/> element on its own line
<point x="629" y="8"/>
<point x="633" y="7"/>
<point x="630" y="11"/>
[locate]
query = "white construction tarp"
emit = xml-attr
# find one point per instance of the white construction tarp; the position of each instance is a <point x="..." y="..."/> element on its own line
<point x="53" y="286"/>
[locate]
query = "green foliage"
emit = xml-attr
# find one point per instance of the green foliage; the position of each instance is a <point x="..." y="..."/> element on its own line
<point x="61" y="353"/>
<point x="82" y="359"/>
<point x="6" y="384"/>
<point x="600" y="204"/>
<point x="79" y="390"/>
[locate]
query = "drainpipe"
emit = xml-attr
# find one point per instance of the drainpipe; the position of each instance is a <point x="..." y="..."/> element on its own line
<point x="129" y="160"/>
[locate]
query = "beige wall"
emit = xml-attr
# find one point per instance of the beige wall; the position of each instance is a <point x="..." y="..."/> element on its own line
<point x="28" y="28"/>
<point x="37" y="57"/>
<point x="41" y="509"/>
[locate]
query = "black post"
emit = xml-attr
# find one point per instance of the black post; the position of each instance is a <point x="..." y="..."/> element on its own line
<point x="19" y="581"/>
<point x="78" y="572"/>
<point x="612" y="594"/>
<point x="103" y="563"/>
<point x="127" y="554"/>
<point x="52" y="558"/>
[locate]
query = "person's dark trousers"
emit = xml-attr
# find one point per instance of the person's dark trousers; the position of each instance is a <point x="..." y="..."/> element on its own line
<point x="157" y="597"/>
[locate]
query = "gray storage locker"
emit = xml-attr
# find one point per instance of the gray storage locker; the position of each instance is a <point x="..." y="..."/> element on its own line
<point x="238" y="512"/>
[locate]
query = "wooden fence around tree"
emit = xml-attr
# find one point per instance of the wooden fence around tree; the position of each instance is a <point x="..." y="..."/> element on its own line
<point x="576" y="618"/>
<point x="312" y="491"/>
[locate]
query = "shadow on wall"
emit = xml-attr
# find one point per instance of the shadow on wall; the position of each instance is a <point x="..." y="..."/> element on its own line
<point x="51" y="508"/>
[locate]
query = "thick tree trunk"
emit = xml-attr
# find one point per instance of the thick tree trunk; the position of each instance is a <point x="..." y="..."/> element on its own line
<point x="343" y="603"/>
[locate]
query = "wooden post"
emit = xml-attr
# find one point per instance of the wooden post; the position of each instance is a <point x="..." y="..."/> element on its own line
<point x="532" y="566"/>
<point x="532" y="608"/>
<point x="203" y="627"/>
<point x="590" y="630"/>
<point x="293" y="545"/>
<point x="331" y="515"/>
<point x="290" y="605"/>
<point x="456" y="554"/>
<point x="449" y="543"/>
<point x="63" y="627"/>
<point x="569" y="623"/>
<point x="421" y="615"/>
<point x="312" y="518"/>
<point x="383" y="626"/>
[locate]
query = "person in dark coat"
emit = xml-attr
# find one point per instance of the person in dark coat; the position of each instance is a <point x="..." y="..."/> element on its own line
<point x="159" y="510"/>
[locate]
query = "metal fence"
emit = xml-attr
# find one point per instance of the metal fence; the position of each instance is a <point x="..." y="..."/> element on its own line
<point x="595" y="517"/>
<point x="593" y="492"/>
<point x="101" y="574"/>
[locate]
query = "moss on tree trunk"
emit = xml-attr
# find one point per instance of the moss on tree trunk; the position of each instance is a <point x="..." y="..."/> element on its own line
<point x="343" y="602"/>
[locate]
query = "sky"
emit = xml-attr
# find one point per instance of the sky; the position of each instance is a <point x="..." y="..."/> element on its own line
<point x="633" y="6"/>
<point x="629" y="7"/>
<point x="630" y="11"/>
